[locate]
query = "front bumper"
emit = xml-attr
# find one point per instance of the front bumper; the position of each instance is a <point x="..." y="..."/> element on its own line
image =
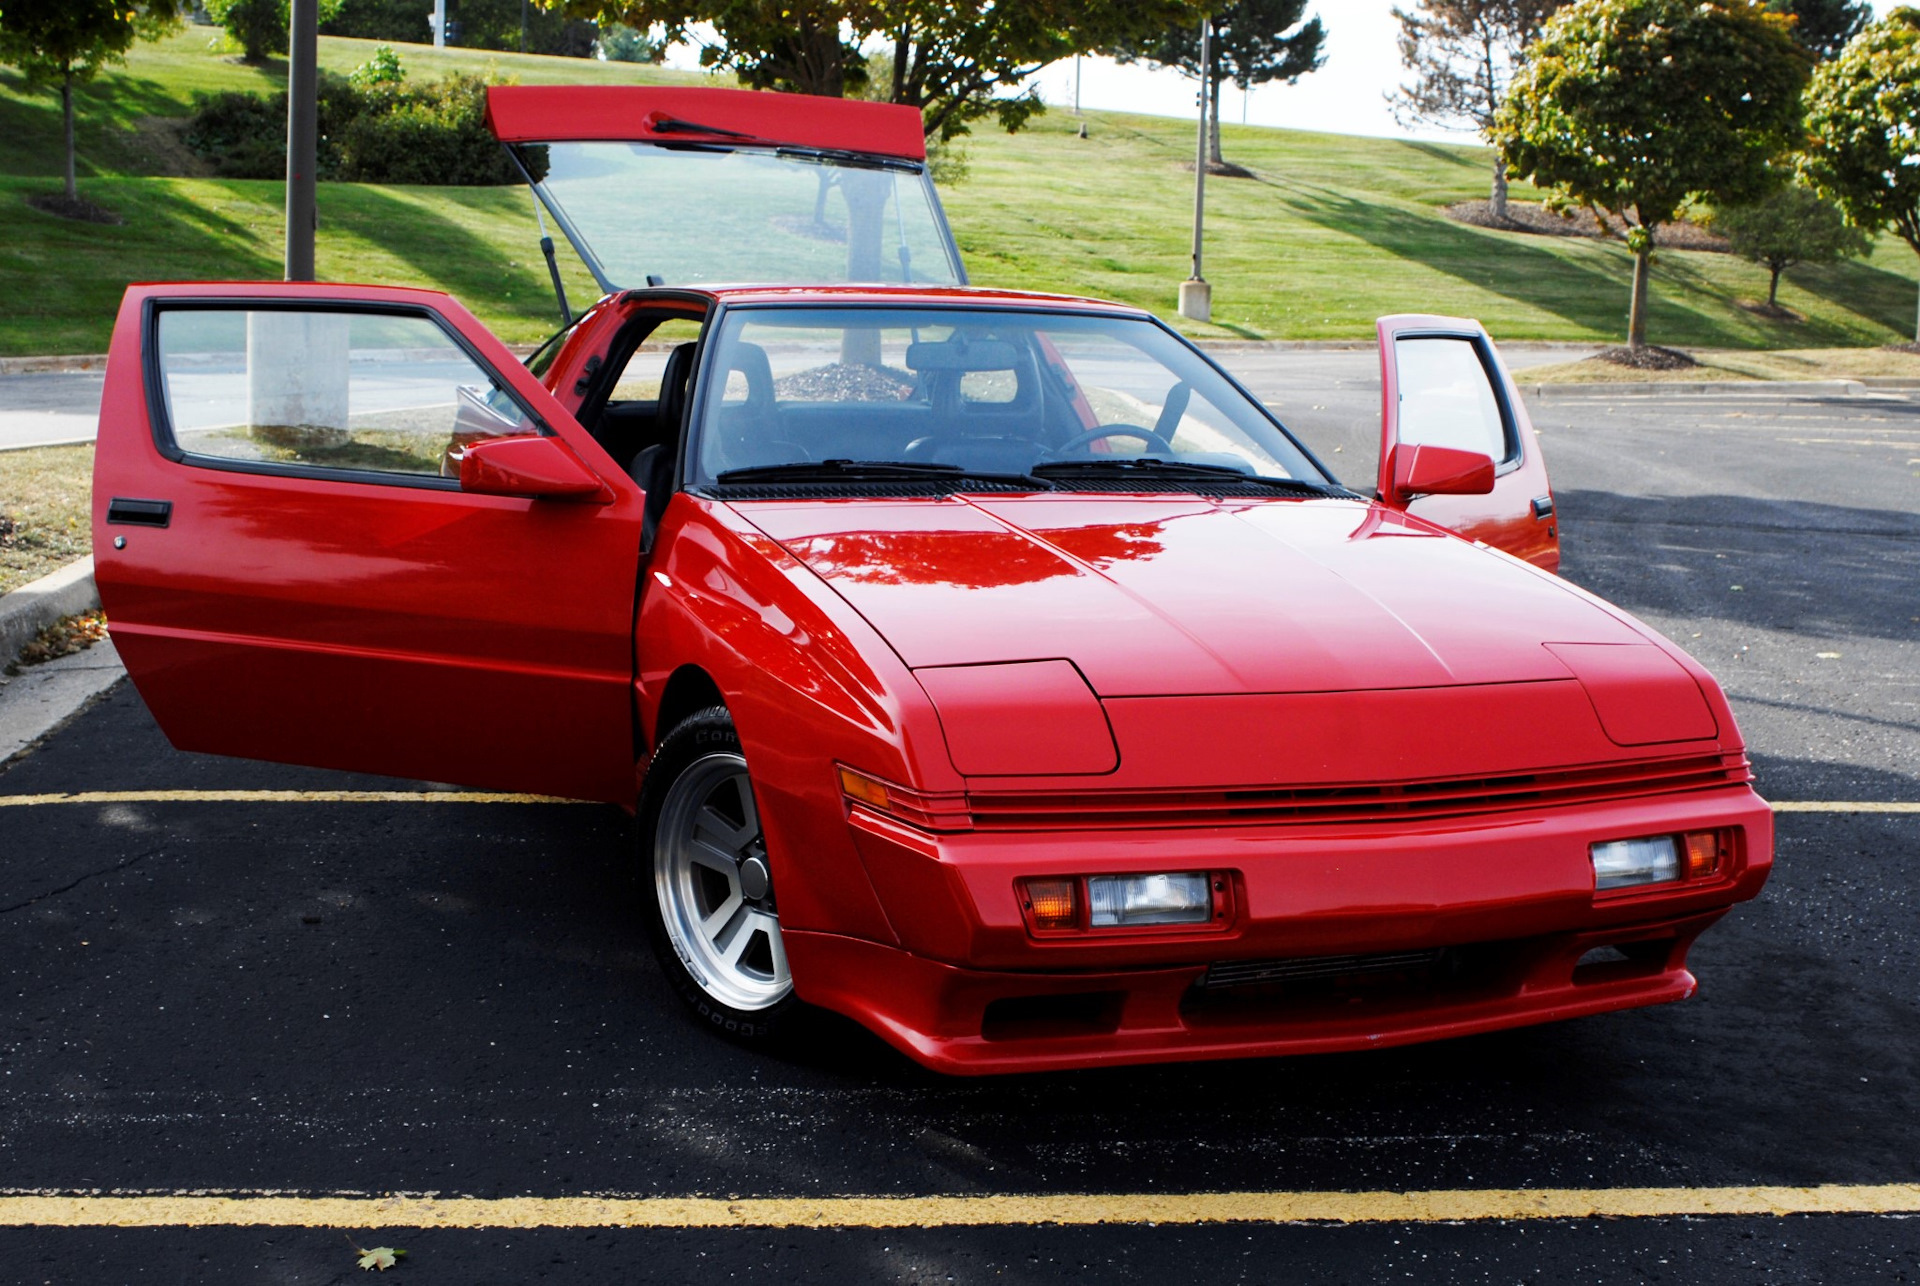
<point x="1340" y="940"/>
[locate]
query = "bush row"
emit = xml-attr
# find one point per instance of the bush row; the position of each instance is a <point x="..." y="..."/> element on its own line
<point x="386" y="132"/>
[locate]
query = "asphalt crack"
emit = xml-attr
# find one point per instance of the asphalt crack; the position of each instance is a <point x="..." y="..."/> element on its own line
<point x="68" y="888"/>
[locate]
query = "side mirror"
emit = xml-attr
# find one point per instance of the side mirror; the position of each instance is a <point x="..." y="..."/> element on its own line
<point x="529" y="465"/>
<point x="1439" y="471"/>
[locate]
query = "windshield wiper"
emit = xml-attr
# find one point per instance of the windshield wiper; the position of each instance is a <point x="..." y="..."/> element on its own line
<point x="872" y="471"/>
<point x="1158" y="466"/>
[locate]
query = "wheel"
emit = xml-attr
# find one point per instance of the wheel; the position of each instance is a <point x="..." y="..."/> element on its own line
<point x="1153" y="440"/>
<point x="714" y="922"/>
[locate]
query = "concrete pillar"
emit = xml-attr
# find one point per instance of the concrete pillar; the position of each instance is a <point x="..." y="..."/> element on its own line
<point x="297" y="379"/>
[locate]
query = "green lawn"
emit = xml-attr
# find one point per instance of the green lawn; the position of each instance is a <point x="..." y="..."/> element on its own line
<point x="1331" y="232"/>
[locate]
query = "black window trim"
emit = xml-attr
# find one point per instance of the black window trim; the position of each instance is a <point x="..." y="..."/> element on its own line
<point x="161" y="423"/>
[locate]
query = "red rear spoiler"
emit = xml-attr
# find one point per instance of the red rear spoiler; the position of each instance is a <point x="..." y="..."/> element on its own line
<point x="636" y="113"/>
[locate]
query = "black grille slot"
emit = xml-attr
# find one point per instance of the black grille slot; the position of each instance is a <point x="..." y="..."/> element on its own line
<point x="1315" y="969"/>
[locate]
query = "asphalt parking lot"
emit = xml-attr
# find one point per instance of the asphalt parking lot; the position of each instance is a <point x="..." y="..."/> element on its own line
<point x="316" y="998"/>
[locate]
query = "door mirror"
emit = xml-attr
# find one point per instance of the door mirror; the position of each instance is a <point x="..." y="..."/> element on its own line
<point x="1440" y="471"/>
<point x="529" y="465"/>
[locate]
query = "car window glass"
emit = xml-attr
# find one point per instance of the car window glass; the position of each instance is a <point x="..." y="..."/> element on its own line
<point x="1446" y="398"/>
<point x="640" y="378"/>
<point x="387" y="392"/>
<point x="992" y="390"/>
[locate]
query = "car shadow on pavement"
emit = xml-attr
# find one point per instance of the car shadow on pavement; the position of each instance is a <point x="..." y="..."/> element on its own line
<point x="1776" y="564"/>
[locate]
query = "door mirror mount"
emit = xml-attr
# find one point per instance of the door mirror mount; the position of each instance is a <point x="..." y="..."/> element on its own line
<point x="530" y="465"/>
<point x="1439" y="471"/>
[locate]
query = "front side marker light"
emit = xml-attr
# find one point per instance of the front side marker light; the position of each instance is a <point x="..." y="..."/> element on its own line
<point x="1624" y="863"/>
<point x="1703" y="854"/>
<point x="1053" y="904"/>
<point x="1117" y="901"/>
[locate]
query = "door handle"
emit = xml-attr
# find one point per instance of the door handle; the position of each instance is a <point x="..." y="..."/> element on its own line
<point x="140" y="513"/>
<point x="1543" y="506"/>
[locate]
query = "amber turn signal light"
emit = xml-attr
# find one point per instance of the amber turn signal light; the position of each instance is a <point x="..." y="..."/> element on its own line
<point x="1053" y="904"/>
<point x="1702" y="854"/>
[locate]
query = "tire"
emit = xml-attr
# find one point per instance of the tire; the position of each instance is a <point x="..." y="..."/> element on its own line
<point x="706" y="890"/>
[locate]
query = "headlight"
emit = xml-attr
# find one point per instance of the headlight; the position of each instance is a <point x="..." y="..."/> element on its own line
<point x="1169" y="900"/>
<point x="1116" y="900"/>
<point x="1661" y="859"/>
<point x="1621" y="863"/>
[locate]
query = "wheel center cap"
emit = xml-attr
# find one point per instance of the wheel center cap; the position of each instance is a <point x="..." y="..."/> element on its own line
<point x="755" y="881"/>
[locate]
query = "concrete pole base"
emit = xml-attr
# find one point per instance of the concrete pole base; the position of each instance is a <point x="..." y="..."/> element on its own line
<point x="1196" y="300"/>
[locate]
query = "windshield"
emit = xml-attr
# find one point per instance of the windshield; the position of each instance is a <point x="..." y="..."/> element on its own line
<point x="983" y="390"/>
<point x="693" y="212"/>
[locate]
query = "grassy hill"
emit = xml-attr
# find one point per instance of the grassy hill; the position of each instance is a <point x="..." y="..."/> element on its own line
<point x="1330" y="232"/>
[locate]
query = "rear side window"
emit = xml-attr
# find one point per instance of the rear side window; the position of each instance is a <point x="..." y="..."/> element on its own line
<point x="376" y="392"/>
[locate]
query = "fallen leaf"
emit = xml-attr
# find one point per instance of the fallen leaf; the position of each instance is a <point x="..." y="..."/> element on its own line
<point x="380" y="1257"/>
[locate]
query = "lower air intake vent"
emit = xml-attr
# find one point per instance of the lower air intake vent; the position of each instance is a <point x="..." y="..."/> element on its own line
<point x="1314" y="969"/>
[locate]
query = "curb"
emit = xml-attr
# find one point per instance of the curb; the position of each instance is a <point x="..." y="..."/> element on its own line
<point x="44" y="365"/>
<point x="1700" y="388"/>
<point x="31" y="608"/>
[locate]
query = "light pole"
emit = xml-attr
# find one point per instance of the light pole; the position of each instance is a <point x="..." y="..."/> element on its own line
<point x="303" y="130"/>
<point x="438" y="20"/>
<point x="1196" y="296"/>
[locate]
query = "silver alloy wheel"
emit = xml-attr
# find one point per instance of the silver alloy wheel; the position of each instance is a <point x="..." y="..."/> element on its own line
<point x="710" y="874"/>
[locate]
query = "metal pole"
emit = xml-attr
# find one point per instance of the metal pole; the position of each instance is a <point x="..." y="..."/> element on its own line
<point x="439" y="24"/>
<point x="303" y="129"/>
<point x="1196" y="297"/>
<point x="1200" y="148"/>
<point x="1076" y="84"/>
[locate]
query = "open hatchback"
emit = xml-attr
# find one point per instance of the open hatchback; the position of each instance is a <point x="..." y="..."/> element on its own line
<point x="989" y="667"/>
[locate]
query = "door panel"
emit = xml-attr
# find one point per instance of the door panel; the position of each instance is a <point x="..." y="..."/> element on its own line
<point x="320" y="594"/>
<point x="1442" y="383"/>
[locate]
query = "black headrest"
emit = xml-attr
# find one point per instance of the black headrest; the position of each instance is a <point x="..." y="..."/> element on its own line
<point x="673" y="385"/>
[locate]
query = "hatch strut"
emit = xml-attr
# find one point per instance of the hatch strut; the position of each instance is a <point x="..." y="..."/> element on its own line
<point x="553" y="266"/>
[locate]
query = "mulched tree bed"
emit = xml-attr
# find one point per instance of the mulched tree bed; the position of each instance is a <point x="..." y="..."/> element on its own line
<point x="1648" y="358"/>
<point x="1531" y="217"/>
<point x="58" y="203"/>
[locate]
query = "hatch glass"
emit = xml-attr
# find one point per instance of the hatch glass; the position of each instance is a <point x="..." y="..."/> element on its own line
<point x="700" y="213"/>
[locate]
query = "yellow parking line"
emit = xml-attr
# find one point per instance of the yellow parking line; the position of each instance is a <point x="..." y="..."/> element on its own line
<point x="1820" y="806"/>
<point x="188" y="1210"/>
<point x="509" y="797"/>
<point x="282" y="797"/>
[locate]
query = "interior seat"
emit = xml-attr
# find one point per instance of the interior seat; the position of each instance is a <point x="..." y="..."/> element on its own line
<point x="653" y="463"/>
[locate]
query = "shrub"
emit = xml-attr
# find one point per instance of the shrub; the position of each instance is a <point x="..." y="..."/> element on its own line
<point x="385" y="132"/>
<point x="434" y="133"/>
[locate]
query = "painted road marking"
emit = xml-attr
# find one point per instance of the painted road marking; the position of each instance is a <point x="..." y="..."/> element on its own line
<point x="507" y="797"/>
<point x="282" y="797"/>
<point x="194" y="1210"/>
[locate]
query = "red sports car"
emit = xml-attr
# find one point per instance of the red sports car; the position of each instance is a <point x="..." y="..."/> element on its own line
<point x="989" y="667"/>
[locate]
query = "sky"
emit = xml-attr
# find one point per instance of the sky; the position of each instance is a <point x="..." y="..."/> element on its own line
<point x="1348" y="95"/>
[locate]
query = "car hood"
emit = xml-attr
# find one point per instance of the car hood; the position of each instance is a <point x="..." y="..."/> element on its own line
<point x="1153" y="596"/>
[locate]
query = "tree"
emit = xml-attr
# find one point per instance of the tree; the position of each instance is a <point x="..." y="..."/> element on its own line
<point x="1862" y="151"/>
<point x="956" y="60"/>
<point x="65" y="42"/>
<point x="1253" y="42"/>
<point x="1791" y="225"/>
<point x="1462" y="54"/>
<point x="1636" y="106"/>
<point x="1823" y="27"/>
<point x="259" y="27"/>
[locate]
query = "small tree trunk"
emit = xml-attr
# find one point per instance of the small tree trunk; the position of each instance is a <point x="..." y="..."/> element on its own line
<point x="1637" y="317"/>
<point x="1773" y="290"/>
<point x="66" y="109"/>
<point x="1500" y="187"/>
<point x="1214" y="124"/>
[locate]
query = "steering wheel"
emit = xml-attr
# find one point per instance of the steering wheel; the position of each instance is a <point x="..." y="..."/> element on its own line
<point x="1148" y="436"/>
